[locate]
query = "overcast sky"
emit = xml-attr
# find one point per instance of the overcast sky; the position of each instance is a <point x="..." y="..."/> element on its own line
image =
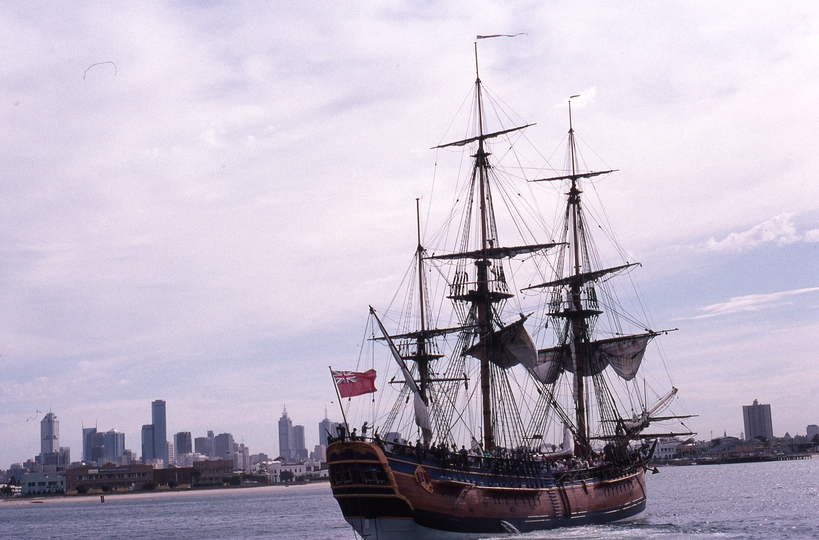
<point x="199" y="200"/>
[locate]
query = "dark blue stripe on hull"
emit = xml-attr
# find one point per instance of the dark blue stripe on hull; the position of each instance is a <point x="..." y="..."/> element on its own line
<point x="493" y="525"/>
<point x="359" y="505"/>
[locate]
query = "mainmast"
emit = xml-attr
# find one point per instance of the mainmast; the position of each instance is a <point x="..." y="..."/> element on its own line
<point x="489" y="285"/>
<point x="482" y="264"/>
<point x="578" y="320"/>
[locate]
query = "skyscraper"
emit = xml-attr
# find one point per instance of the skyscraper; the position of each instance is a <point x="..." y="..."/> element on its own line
<point x="327" y="428"/>
<point x="182" y="443"/>
<point x="88" y="444"/>
<point x="114" y="445"/>
<point x="757" y="421"/>
<point x="223" y="446"/>
<point x="148" y="443"/>
<point x="299" y="449"/>
<point x="286" y="438"/>
<point x="49" y="434"/>
<point x="203" y="445"/>
<point x="160" y="434"/>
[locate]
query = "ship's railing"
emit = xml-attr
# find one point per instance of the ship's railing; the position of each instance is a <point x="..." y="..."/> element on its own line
<point x="506" y="463"/>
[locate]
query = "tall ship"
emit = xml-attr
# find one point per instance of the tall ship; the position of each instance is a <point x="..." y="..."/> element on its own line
<point x="511" y="391"/>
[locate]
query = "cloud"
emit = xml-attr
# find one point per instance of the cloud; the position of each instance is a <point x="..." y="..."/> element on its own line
<point x="779" y="229"/>
<point x="751" y="302"/>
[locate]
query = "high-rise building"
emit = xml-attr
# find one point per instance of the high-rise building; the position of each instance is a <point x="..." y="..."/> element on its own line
<point x="203" y="445"/>
<point x="327" y="429"/>
<point x="299" y="449"/>
<point x="223" y="446"/>
<point x="114" y="445"/>
<point x="97" y="447"/>
<point x="148" y="443"/>
<point x="51" y="453"/>
<point x="286" y="437"/>
<point x="88" y="444"/>
<point x="812" y="431"/>
<point x="49" y="434"/>
<point x="160" y="432"/>
<point x="757" y="421"/>
<point x="182" y="443"/>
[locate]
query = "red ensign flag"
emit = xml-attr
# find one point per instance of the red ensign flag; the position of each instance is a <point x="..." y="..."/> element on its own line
<point x="351" y="383"/>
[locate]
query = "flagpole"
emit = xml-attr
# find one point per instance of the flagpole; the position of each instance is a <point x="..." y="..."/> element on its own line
<point x="340" y="406"/>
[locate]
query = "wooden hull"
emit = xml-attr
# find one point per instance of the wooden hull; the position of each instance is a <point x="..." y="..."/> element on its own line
<point x="392" y="496"/>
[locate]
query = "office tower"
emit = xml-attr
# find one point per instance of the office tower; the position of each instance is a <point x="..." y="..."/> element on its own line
<point x="203" y="445"/>
<point x="813" y="431"/>
<point x="49" y="434"/>
<point x="182" y="443"/>
<point x="757" y="421"/>
<point x="88" y="443"/>
<point x="160" y="433"/>
<point x="286" y="446"/>
<point x="148" y="443"/>
<point x="327" y="428"/>
<point x="114" y="445"/>
<point x="299" y="449"/>
<point x="171" y="453"/>
<point x="223" y="446"/>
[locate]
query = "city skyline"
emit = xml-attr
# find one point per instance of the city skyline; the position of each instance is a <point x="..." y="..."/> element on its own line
<point x="205" y="210"/>
<point x="111" y="444"/>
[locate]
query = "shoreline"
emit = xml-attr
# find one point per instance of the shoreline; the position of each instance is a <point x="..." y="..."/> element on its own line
<point x="131" y="495"/>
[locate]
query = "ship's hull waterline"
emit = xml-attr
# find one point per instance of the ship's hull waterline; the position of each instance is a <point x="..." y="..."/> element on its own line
<point x="389" y="496"/>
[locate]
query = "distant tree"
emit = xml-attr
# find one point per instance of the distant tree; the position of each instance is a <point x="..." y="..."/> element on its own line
<point x="82" y="488"/>
<point x="149" y="485"/>
<point x="196" y="474"/>
<point x="106" y="488"/>
<point x="763" y="439"/>
<point x="815" y="440"/>
<point x="6" y="490"/>
<point x="287" y="476"/>
<point x="172" y="484"/>
<point x="235" y="480"/>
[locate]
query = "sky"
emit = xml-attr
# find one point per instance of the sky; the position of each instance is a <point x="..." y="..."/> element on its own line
<point x="199" y="200"/>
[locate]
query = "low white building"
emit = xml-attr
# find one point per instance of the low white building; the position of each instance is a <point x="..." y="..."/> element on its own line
<point x="666" y="448"/>
<point x="187" y="460"/>
<point x="42" y="484"/>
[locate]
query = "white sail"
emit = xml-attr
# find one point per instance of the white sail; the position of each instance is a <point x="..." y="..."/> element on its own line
<point x="421" y="410"/>
<point x="623" y="354"/>
<point x="511" y="345"/>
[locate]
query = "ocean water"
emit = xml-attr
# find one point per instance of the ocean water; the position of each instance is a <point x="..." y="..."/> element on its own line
<point x="743" y="501"/>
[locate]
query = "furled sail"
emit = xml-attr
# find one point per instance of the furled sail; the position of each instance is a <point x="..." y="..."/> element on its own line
<point x="623" y="354"/>
<point x="510" y="346"/>
<point x="421" y="410"/>
<point x="496" y="252"/>
<point x="582" y="278"/>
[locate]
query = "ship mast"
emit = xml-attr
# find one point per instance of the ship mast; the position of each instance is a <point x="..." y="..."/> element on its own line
<point x="579" y="317"/>
<point x="489" y="286"/>
<point x="421" y="343"/>
<point x="482" y="264"/>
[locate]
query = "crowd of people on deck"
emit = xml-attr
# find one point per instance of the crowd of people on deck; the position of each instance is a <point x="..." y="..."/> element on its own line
<point x="499" y="460"/>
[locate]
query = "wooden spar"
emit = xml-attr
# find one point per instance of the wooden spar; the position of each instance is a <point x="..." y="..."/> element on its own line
<point x="423" y="360"/>
<point x="484" y="309"/>
<point x="579" y="326"/>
